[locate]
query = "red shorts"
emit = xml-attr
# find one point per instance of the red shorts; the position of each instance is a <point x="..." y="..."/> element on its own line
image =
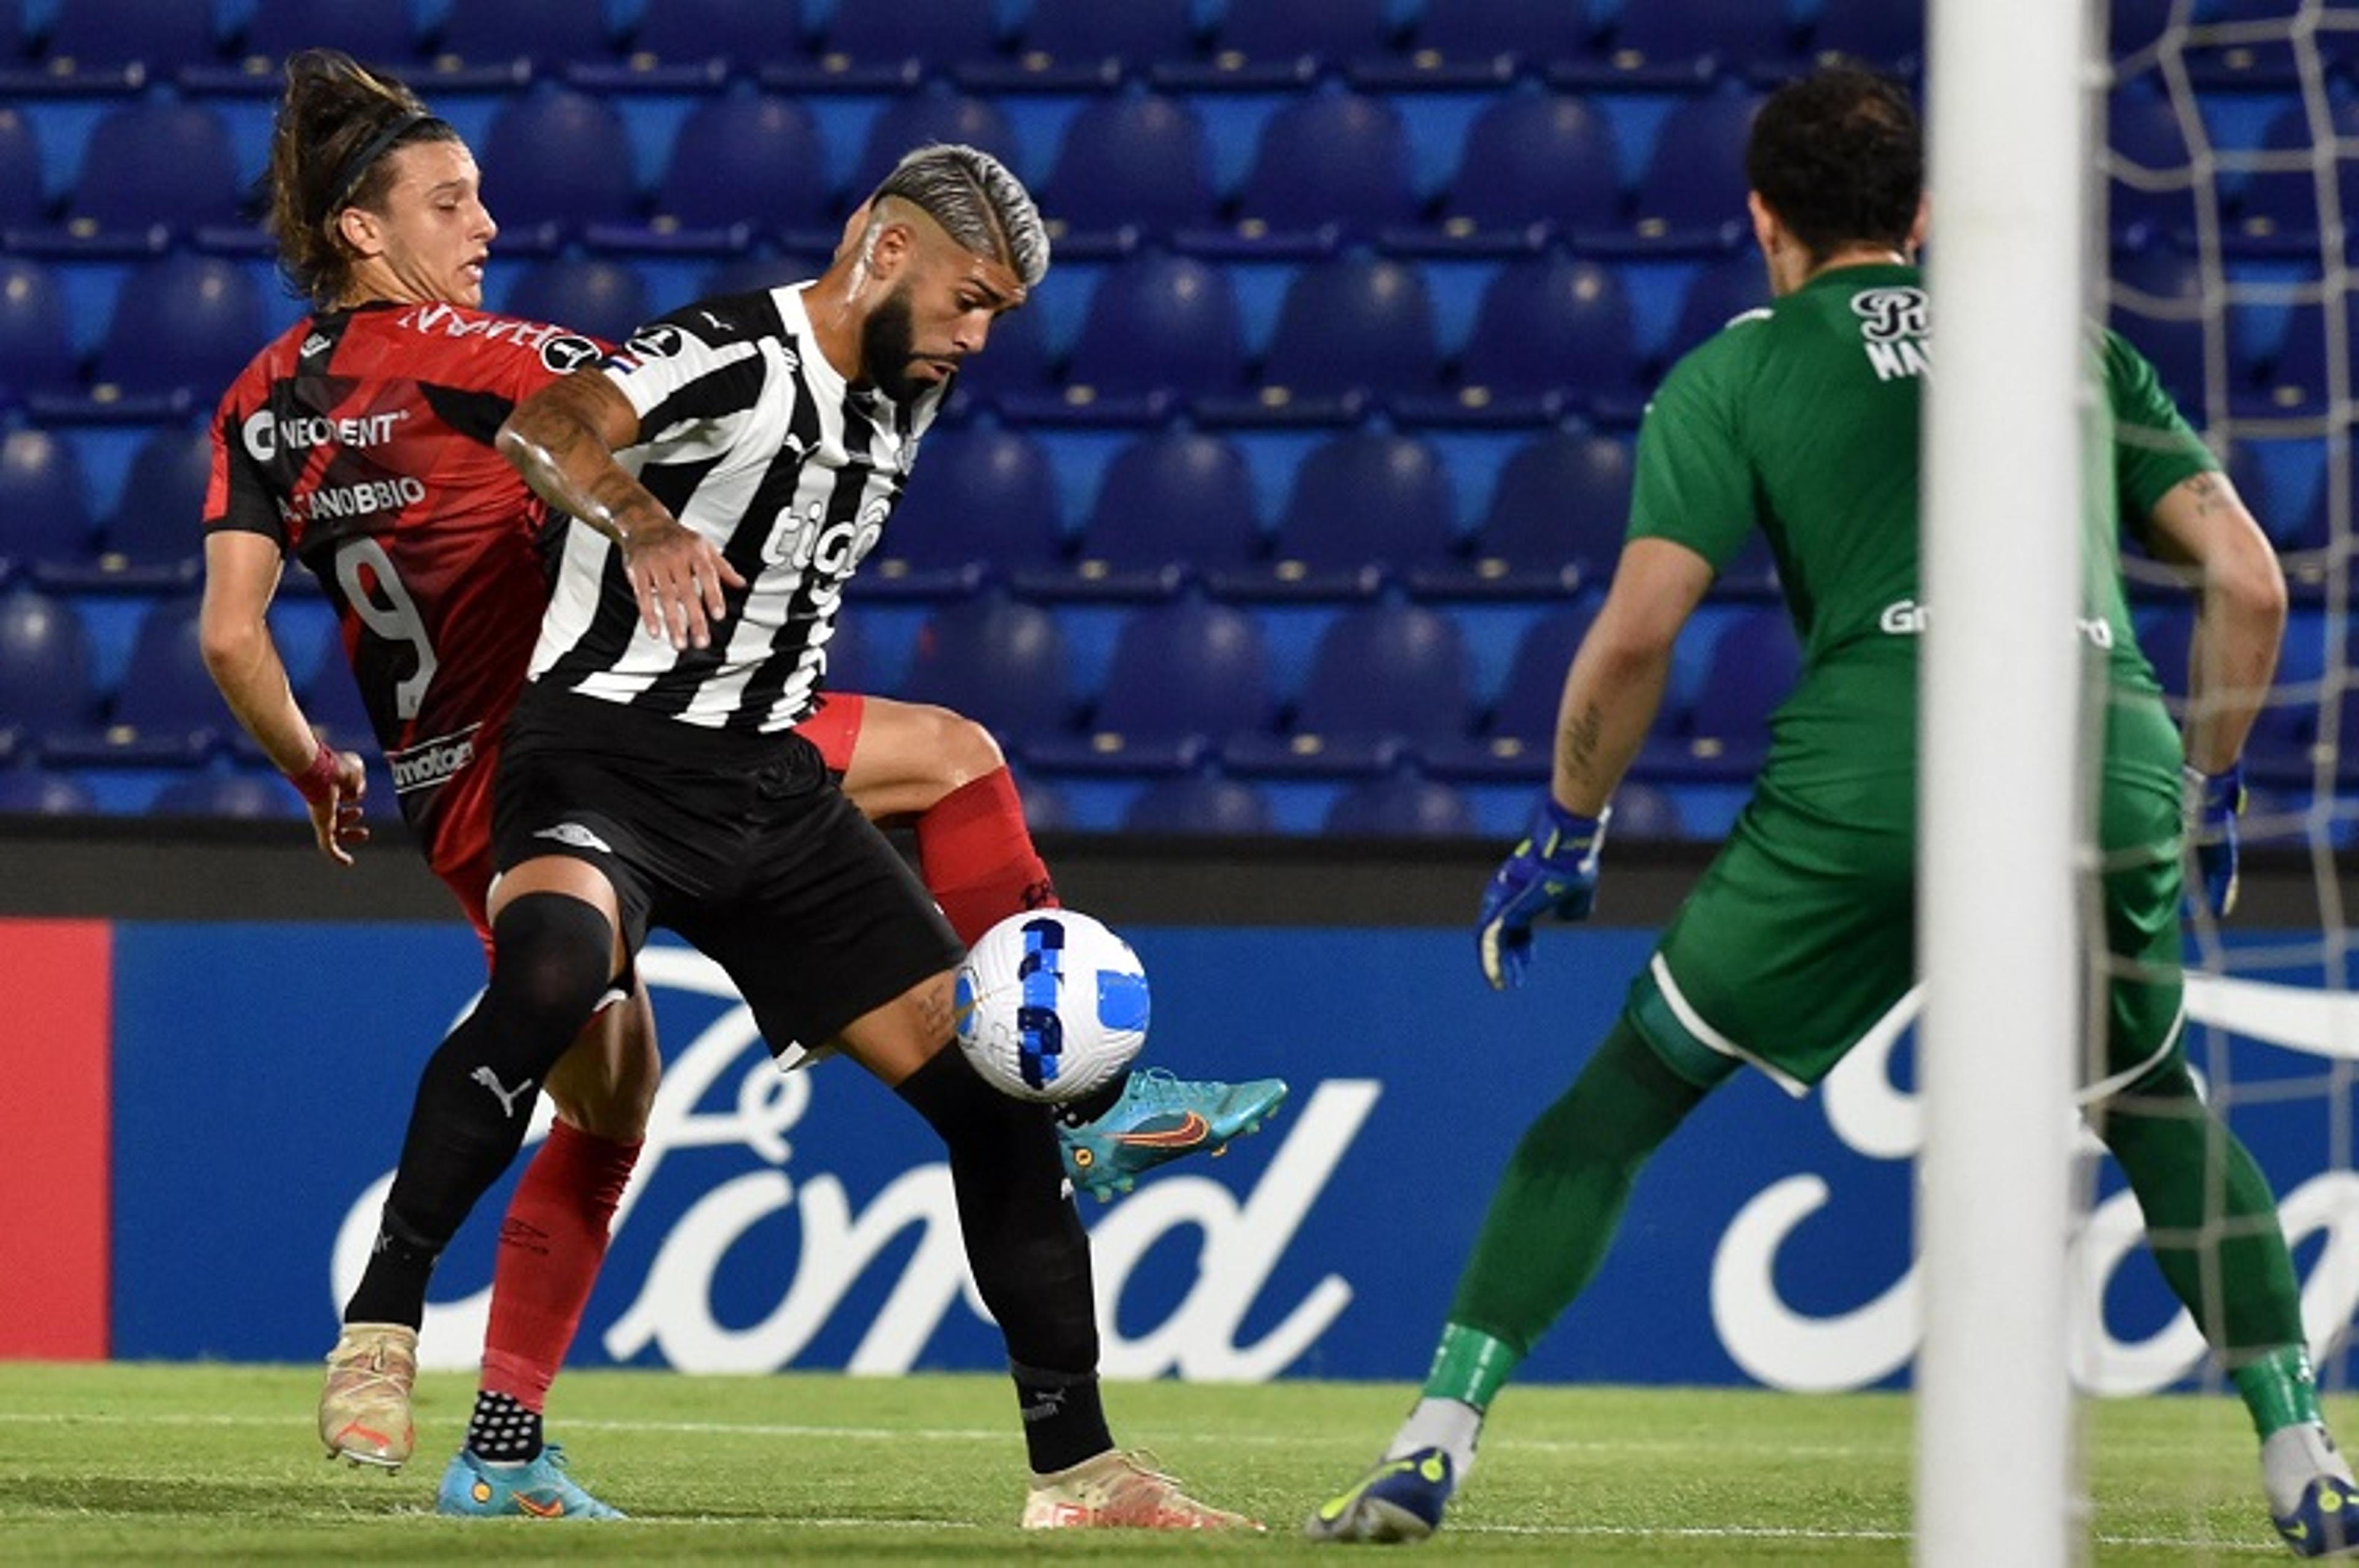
<point x="459" y="842"/>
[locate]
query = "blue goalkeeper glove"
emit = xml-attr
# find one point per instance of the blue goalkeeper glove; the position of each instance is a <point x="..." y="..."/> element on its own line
<point x="2211" y="803"/>
<point x="1555" y="867"/>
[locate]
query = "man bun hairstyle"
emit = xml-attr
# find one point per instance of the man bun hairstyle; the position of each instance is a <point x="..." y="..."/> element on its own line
<point x="978" y="201"/>
<point x="337" y="123"/>
<point x="1839" y="157"/>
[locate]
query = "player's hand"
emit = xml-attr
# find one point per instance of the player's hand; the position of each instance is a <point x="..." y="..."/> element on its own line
<point x="678" y="578"/>
<point x="332" y="788"/>
<point x="1554" y="868"/>
<point x="2212" y="802"/>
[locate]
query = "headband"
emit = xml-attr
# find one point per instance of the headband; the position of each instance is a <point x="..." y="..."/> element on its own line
<point x="358" y="163"/>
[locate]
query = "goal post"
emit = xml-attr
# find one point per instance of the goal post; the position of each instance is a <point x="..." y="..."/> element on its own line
<point x="2000" y="736"/>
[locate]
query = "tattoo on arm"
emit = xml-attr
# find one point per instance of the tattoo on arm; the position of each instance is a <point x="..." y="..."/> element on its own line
<point x="555" y="441"/>
<point x="2206" y="489"/>
<point x="1581" y="739"/>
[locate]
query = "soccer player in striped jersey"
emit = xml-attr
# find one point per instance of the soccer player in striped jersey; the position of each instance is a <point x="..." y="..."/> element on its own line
<point x="1801" y="419"/>
<point x="360" y="442"/>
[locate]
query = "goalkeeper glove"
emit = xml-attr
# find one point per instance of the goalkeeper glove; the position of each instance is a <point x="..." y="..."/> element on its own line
<point x="2212" y="802"/>
<point x="1555" y="867"/>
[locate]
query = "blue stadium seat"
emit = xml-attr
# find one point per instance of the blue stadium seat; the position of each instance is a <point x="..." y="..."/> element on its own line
<point x="1077" y="43"/>
<point x="1534" y="165"/>
<point x="983" y="500"/>
<point x="1350" y="330"/>
<point x="1753" y="666"/>
<point x="2276" y="213"/>
<point x="153" y="164"/>
<point x="24" y="195"/>
<point x="1722" y="291"/>
<point x="1463" y="42"/>
<point x="44" y="501"/>
<point x="2134" y="26"/>
<point x="1643" y="812"/>
<point x="911" y="121"/>
<point x="37" y="353"/>
<point x="1691" y="200"/>
<point x="1172" y="502"/>
<point x="997" y="661"/>
<point x="183" y="328"/>
<point x="1553" y="336"/>
<point x="2144" y="208"/>
<point x="1184" y="675"/>
<point x="1382" y="677"/>
<point x="45" y="665"/>
<point x="1128" y="163"/>
<point x="2254" y="64"/>
<point x="1328" y="167"/>
<point x="546" y="33"/>
<point x="1401" y="805"/>
<point x="1889" y="34"/>
<point x="1159" y="327"/>
<point x="744" y="161"/>
<point x="869" y="49"/>
<point x="370" y="31"/>
<point x="1555" y="521"/>
<point x="167" y="711"/>
<point x="238" y="796"/>
<point x="92" y="41"/>
<point x="1679" y="43"/>
<point x="606" y="299"/>
<point x="686" y="38"/>
<point x="2155" y="302"/>
<point x="1193" y="803"/>
<point x="152" y="543"/>
<point x="553" y="161"/>
<point x="1366" y="506"/>
<point x="1270" y="45"/>
<point x="2292" y="383"/>
<point x="1518" y="741"/>
<point x="32" y="792"/>
<point x="748" y="275"/>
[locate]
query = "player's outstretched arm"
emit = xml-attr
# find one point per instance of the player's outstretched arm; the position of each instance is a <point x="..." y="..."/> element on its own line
<point x="1611" y="694"/>
<point x="2230" y="663"/>
<point x="563" y="440"/>
<point x="233" y="633"/>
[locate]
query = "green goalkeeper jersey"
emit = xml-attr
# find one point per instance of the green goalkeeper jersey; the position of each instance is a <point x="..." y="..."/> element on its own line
<point x="1801" y="419"/>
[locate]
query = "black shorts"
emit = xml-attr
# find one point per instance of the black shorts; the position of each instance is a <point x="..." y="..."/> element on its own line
<point x="740" y="843"/>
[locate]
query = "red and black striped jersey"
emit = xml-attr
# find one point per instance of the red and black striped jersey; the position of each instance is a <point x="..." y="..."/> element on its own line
<point x="362" y="442"/>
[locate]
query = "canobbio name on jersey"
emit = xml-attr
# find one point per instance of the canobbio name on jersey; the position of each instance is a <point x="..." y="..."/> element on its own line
<point x="1906" y="618"/>
<point x="268" y="434"/>
<point x="361" y="500"/>
<point x="432" y="762"/>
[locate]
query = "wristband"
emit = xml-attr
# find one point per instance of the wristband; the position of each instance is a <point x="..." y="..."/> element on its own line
<point x="317" y="783"/>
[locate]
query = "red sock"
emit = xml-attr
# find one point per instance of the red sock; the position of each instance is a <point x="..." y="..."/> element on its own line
<point x="552" y="1243"/>
<point x="978" y="856"/>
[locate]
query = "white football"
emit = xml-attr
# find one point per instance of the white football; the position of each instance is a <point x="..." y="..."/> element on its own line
<point x="1050" y="1005"/>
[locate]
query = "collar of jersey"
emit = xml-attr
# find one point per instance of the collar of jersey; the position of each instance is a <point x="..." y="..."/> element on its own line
<point x="1863" y="272"/>
<point x="798" y="322"/>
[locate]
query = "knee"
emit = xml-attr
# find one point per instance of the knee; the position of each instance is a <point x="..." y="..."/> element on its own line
<point x="605" y="1085"/>
<point x="962" y="750"/>
<point x="552" y="959"/>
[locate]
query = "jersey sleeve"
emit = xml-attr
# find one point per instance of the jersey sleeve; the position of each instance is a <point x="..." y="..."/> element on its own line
<point x="238" y="491"/>
<point x="1693" y="484"/>
<point x="2154" y="448"/>
<point x="689" y="376"/>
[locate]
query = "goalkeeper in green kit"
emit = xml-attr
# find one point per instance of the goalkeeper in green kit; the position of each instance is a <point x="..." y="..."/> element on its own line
<point x="1801" y="420"/>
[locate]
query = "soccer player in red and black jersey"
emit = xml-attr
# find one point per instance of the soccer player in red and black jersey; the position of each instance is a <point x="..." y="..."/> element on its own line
<point x="359" y="442"/>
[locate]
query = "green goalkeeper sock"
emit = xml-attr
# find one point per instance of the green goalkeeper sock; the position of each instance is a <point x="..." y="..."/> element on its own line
<point x="1555" y="1212"/>
<point x="2279" y="1389"/>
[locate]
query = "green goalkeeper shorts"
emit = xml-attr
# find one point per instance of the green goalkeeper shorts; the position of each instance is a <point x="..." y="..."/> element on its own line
<point x="1801" y="936"/>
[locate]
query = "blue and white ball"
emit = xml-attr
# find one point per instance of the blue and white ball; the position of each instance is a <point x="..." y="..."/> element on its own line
<point x="1050" y="1005"/>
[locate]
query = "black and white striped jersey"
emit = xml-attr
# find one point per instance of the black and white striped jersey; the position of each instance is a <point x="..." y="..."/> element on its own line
<point x="752" y="439"/>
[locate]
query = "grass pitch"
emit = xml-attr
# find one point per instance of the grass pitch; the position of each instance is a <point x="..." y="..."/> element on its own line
<point x="155" y="1464"/>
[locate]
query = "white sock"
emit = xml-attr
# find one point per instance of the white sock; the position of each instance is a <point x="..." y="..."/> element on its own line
<point x="1451" y="1425"/>
<point x="2294" y="1456"/>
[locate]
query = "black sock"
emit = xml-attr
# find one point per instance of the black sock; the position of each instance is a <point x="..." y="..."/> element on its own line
<point x="1063" y="1421"/>
<point x="1094" y="1104"/>
<point x="552" y="958"/>
<point x="503" y="1430"/>
<point x="1026" y="1249"/>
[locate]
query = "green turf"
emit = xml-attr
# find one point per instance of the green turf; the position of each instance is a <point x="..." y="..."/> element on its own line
<point x="155" y="1464"/>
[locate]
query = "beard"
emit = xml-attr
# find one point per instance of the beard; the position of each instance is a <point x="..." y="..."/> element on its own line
<point x="888" y="347"/>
